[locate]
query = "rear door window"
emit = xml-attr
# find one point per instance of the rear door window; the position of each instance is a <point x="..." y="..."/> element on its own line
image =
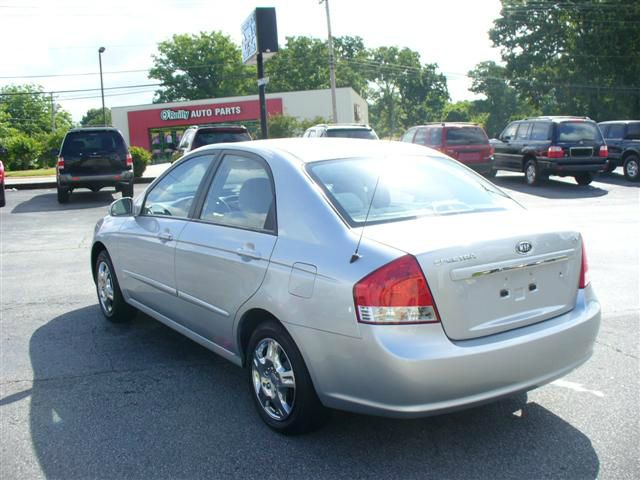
<point x="93" y="142"/>
<point x="420" y="137"/>
<point x="465" y="136"/>
<point x="541" y="131"/>
<point x="434" y="136"/>
<point x="408" y="136"/>
<point x="633" y="131"/>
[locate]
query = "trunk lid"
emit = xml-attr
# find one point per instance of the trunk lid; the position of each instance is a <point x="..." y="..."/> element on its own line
<point x="481" y="283"/>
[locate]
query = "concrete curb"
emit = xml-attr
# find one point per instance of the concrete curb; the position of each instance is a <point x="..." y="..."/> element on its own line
<point x="31" y="185"/>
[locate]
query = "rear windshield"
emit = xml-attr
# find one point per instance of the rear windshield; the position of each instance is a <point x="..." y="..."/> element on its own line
<point x="407" y="187"/>
<point x="576" y="131"/>
<point x="466" y="136"/>
<point x="352" y="133"/>
<point x="219" y="136"/>
<point x="84" y="143"/>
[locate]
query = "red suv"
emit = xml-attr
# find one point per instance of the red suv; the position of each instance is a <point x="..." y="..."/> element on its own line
<point x="466" y="142"/>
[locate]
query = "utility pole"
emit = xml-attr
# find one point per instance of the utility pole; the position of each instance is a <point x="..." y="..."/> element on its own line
<point x="262" y="83"/>
<point x="53" y="113"/>
<point x="332" y="65"/>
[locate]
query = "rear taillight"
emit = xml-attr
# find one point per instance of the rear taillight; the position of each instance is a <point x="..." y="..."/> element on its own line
<point x="60" y="163"/>
<point x="395" y="293"/>
<point x="492" y="151"/>
<point x="584" y="269"/>
<point x="555" y="152"/>
<point x="604" y="151"/>
<point x="129" y="160"/>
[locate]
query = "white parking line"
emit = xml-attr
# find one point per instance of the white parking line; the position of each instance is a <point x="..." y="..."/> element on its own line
<point x="576" y="387"/>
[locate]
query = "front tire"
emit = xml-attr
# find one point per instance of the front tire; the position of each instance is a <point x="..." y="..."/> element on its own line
<point x="110" y="298"/>
<point x="281" y="386"/>
<point x="584" y="179"/>
<point x="632" y="168"/>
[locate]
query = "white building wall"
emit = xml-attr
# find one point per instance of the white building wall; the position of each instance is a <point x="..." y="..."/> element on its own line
<point x="304" y="105"/>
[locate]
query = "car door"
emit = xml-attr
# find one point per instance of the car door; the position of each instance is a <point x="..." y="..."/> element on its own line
<point x="614" y="137"/>
<point x="147" y="242"/>
<point x="223" y="254"/>
<point x="503" y="148"/>
<point x="519" y="145"/>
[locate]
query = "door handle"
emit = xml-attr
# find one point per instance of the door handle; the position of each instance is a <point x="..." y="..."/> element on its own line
<point x="165" y="236"/>
<point x="249" y="254"/>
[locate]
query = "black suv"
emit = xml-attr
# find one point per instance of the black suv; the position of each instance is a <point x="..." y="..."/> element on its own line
<point x="623" y="140"/>
<point x="338" y="130"/>
<point x="201" y="135"/>
<point x="94" y="158"/>
<point x="543" y="146"/>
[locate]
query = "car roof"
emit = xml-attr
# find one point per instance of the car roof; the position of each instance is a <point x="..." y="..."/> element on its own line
<point x="448" y="124"/>
<point x="343" y="126"/>
<point x="93" y="129"/>
<point x="225" y="126"/>
<point x="558" y="118"/>
<point x="619" y="121"/>
<point x="308" y="150"/>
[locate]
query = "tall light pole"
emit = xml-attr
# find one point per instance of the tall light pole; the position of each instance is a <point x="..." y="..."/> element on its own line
<point x="104" y="113"/>
<point x="332" y="65"/>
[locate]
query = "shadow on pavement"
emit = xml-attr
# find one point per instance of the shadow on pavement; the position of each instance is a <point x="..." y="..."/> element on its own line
<point x="551" y="188"/>
<point x="616" y="179"/>
<point x="48" y="202"/>
<point x="141" y="401"/>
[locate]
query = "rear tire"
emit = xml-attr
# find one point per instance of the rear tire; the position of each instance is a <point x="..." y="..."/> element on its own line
<point x="632" y="168"/>
<point x="281" y="386"/>
<point x="3" y="200"/>
<point x="127" y="190"/>
<point x="584" y="179"/>
<point x="110" y="299"/>
<point x="531" y="174"/>
<point x="63" y="195"/>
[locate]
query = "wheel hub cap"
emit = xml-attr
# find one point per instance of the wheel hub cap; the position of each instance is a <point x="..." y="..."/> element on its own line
<point x="273" y="379"/>
<point x="105" y="288"/>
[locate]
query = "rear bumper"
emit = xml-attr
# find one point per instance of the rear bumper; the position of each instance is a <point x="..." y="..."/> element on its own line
<point x="481" y="167"/>
<point x="592" y="165"/>
<point x="416" y="370"/>
<point x="95" y="181"/>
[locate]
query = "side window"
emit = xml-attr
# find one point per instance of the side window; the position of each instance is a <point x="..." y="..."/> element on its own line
<point x="408" y="136"/>
<point x="509" y="133"/>
<point x="184" y="143"/>
<point x="421" y="136"/>
<point x="434" y="136"/>
<point x="174" y="194"/>
<point x="615" y="130"/>
<point x="633" y="131"/>
<point x="310" y="133"/>
<point x="241" y="195"/>
<point x="540" y="131"/>
<point x="523" y="131"/>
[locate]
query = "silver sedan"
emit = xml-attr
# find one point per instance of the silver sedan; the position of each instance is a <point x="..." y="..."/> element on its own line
<point x="376" y="277"/>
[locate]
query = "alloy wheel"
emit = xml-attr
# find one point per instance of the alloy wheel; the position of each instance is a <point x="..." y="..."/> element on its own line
<point x="274" y="382"/>
<point x="105" y="288"/>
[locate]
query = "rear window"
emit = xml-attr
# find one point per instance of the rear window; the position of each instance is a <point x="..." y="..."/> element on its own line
<point x="465" y="136"/>
<point x="204" y="137"/>
<point x="577" y="131"/>
<point x="84" y="143"/>
<point x="407" y="187"/>
<point x="351" y="133"/>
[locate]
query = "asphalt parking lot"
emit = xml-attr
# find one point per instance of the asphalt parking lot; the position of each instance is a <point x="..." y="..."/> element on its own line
<point x="82" y="398"/>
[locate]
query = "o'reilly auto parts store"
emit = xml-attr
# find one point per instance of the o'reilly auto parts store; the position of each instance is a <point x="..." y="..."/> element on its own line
<point x="156" y="126"/>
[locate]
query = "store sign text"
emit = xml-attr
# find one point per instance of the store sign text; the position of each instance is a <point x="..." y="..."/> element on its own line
<point x="169" y="114"/>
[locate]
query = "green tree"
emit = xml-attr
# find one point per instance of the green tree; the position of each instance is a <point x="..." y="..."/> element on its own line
<point x="27" y="108"/>
<point x="502" y="103"/>
<point x="580" y="57"/>
<point x="206" y="65"/>
<point x="94" y="117"/>
<point x="403" y="92"/>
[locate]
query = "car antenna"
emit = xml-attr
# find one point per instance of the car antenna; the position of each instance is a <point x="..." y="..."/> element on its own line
<point x="356" y="255"/>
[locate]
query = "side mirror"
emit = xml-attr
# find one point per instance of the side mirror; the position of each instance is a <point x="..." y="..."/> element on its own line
<point x="506" y="138"/>
<point x="122" y="207"/>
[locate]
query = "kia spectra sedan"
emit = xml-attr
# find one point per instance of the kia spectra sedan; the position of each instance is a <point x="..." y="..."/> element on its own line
<point x="375" y="277"/>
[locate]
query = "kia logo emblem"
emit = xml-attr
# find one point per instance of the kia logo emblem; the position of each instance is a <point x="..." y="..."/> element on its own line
<point x="524" y="247"/>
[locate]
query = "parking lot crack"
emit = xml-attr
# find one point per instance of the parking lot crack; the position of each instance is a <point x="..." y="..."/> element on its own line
<point x="616" y="349"/>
